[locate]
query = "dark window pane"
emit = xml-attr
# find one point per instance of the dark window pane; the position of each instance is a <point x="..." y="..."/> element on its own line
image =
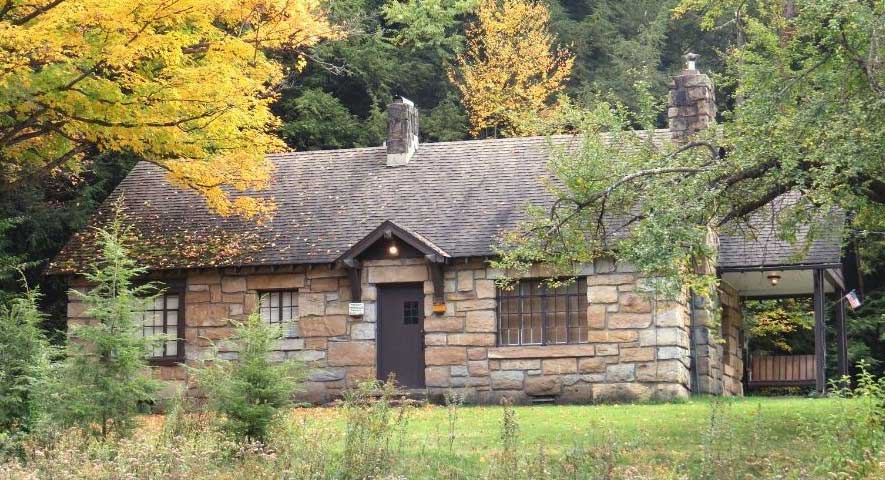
<point x="534" y="313"/>
<point x="410" y="313"/>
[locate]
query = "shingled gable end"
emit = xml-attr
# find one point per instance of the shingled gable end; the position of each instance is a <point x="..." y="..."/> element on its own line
<point x="405" y="231"/>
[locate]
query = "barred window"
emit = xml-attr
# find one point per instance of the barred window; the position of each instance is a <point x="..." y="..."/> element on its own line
<point x="532" y="313"/>
<point x="279" y="308"/>
<point x="162" y="316"/>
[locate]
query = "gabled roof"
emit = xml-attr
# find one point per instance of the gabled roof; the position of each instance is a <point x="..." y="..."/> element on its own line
<point x="454" y="196"/>
<point x="389" y="229"/>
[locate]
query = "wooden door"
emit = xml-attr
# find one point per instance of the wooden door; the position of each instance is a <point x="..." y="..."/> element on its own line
<point x="401" y="333"/>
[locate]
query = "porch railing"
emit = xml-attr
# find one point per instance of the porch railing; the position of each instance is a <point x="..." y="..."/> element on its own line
<point x="781" y="370"/>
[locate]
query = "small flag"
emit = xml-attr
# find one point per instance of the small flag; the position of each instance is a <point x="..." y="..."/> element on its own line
<point x="853" y="299"/>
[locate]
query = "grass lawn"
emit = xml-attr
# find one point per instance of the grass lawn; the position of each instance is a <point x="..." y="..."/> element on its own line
<point x="757" y="436"/>
<point x="705" y="438"/>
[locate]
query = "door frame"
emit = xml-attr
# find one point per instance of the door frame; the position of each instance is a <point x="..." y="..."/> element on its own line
<point x="379" y="316"/>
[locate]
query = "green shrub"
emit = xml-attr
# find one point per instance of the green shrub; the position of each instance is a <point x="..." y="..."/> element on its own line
<point x="104" y="380"/>
<point x="374" y="430"/>
<point x="252" y="390"/>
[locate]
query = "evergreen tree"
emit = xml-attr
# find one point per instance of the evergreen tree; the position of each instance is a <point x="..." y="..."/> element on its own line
<point x="251" y="391"/>
<point x="104" y="381"/>
<point x="24" y="353"/>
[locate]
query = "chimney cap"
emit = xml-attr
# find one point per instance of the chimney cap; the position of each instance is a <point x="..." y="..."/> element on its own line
<point x="690" y="59"/>
<point x="403" y="100"/>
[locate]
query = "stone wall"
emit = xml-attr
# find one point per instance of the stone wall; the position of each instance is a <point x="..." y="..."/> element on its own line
<point x="638" y="344"/>
<point x="718" y="344"/>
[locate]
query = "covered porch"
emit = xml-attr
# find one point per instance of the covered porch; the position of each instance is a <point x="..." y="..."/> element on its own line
<point x="825" y="284"/>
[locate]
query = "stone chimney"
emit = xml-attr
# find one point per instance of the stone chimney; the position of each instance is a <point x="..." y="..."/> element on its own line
<point x="402" y="132"/>
<point x="692" y="102"/>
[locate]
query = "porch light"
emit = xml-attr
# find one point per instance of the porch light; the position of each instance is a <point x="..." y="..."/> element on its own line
<point x="774" y="278"/>
<point x="393" y="250"/>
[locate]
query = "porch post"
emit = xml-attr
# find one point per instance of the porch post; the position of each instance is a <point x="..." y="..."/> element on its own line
<point x="820" y="332"/>
<point x="841" y="336"/>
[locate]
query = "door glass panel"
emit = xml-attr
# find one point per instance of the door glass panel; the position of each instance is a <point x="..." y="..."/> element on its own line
<point x="410" y="313"/>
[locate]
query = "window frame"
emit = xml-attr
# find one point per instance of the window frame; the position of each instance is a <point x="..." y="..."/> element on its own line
<point x="294" y="291"/>
<point x="172" y="288"/>
<point x="545" y="312"/>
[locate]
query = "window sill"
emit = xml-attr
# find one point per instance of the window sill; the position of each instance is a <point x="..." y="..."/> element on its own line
<point x="165" y="362"/>
<point x="543" y="351"/>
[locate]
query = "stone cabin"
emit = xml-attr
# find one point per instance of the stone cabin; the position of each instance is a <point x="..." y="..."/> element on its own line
<point x="376" y="263"/>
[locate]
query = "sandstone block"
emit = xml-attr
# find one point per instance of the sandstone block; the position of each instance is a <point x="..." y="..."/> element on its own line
<point x="362" y="331"/>
<point x="507" y="380"/>
<point x="397" y="273"/>
<point x="555" y="366"/>
<point x="326" y="284"/>
<point x="621" y="392"/>
<point x="637" y="354"/>
<point x="198" y="287"/>
<point x="632" y="303"/>
<point x="629" y="320"/>
<point x="201" y="296"/>
<point x="481" y="321"/>
<point x="606" y="349"/>
<point x="290" y="344"/>
<point x="602" y="294"/>
<point x="591" y="365"/>
<point x="204" y="277"/>
<point x="316" y="343"/>
<point x="352" y="353"/>
<point x="235" y="309"/>
<point x="620" y="372"/>
<point x="472" y="339"/>
<point x="623" y="336"/>
<point x="483" y="304"/>
<point x="485" y="288"/>
<point x="674" y="317"/>
<point x="306" y="355"/>
<point x="477" y="353"/>
<point x="435" y="338"/>
<point x="328" y="326"/>
<point x="436" y="376"/>
<point x="369" y="293"/>
<point x="521" y="364"/>
<point x="543" y="385"/>
<point x="311" y="304"/>
<point x="596" y="316"/>
<point x="231" y="284"/>
<point x="546" y="351"/>
<point x="326" y="374"/>
<point x="435" y="355"/>
<point x="676" y="337"/>
<point x="207" y="315"/>
<point x="478" y="368"/>
<point x="465" y="280"/>
<point x="609" y="279"/>
<point x="458" y="371"/>
<point x="437" y="323"/>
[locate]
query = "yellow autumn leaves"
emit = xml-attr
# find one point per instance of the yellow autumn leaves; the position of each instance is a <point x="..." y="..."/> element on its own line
<point x="184" y="84"/>
<point x="188" y="84"/>
<point x="510" y="72"/>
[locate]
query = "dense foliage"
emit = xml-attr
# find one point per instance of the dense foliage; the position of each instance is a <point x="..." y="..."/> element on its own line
<point x="809" y="77"/>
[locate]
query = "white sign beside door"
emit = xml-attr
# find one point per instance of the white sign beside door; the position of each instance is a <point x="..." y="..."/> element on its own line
<point x="356" y="309"/>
